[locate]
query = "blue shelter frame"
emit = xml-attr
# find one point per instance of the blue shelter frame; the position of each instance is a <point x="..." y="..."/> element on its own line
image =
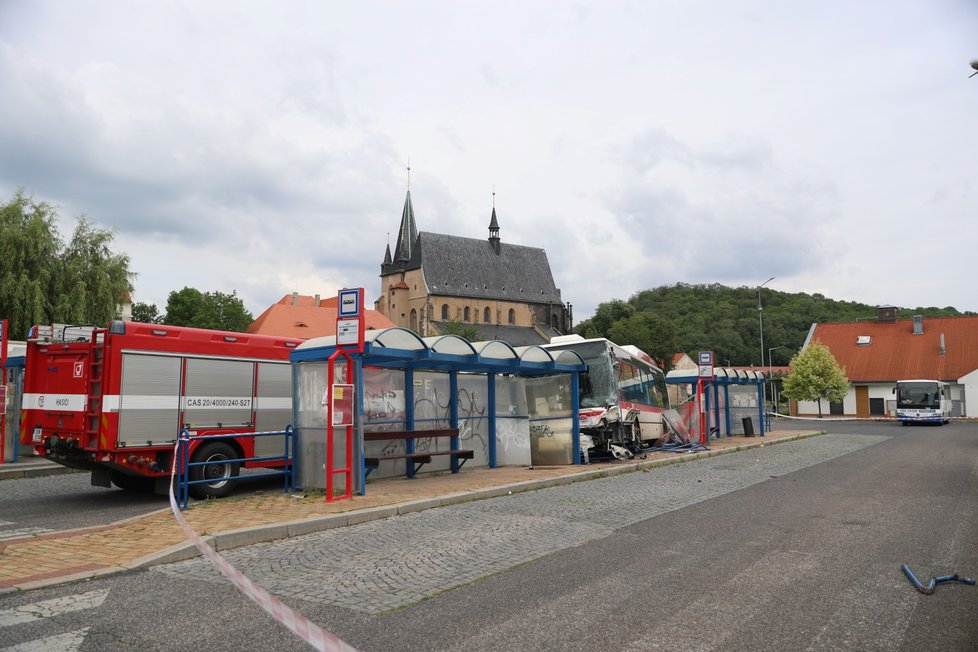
<point x="722" y="379"/>
<point x="403" y="349"/>
<point x="15" y="376"/>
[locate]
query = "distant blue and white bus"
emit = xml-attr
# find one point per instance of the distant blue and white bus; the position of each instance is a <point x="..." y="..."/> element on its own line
<point x="923" y="401"/>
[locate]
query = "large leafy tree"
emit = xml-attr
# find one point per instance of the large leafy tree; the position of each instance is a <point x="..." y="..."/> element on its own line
<point x="815" y="375"/>
<point x="43" y="280"/>
<point x="217" y="310"/>
<point x="724" y="319"/>
<point x="146" y="313"/>
<point x="654" y="335"/>
<point x="94" y="279"/>
<point x="604" y="317"/>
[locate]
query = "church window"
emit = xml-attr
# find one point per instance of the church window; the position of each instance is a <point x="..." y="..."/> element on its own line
<point x="486" y="315"/>
<point x="512" y="316"/>
<point x="414" y="319"/>
<point x="466" y="313"/>
<point x="444" y="312"/>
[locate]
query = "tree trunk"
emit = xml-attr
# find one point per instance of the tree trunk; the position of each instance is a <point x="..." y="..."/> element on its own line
<point x="819" y="408"/>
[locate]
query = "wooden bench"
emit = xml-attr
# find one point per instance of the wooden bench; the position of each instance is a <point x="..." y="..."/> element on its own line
<point x="415" y="459"/>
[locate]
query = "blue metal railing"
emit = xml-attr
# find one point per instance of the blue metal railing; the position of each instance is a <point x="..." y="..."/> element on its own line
<point x="184" y="465"/>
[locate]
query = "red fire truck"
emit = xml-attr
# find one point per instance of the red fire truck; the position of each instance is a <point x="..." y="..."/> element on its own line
<point x="113" y="400"/>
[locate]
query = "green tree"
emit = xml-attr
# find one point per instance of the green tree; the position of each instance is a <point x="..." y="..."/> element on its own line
<point x="654" y="335"/>
<point x="183" y="306"/>
<point x="94" y="279"/>
<point x="224" y="312"/>
<point x="815" y="375"/>
<point x="455" y="327"/>
<point x="606" y="314"/>
<point x="146" y="313"/>
<point x="29" y="246"/>
<point x="216" y="310"/>
<point x="42" y="280"/>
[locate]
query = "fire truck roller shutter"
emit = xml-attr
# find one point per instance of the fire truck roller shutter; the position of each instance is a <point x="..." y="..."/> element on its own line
<point x="218" y="393"/>
<point x="149" y="402"/>
<point x="273" y="406"/>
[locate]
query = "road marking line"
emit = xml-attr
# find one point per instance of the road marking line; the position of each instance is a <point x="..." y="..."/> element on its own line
<point x="47" y="608"/>
<point x="68" y="642"/>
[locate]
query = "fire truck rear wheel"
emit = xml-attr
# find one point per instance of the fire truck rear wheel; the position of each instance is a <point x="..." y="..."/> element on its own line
<point x="218" y="474"/>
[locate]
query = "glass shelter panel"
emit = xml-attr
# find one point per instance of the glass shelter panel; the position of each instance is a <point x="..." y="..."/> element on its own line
<point x="512" y="422"/>
<point x="313" y="412"/>
<point x="549" y="406"/>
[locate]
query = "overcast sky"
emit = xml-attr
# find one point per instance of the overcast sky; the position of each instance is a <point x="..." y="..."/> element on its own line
<point x="262" y="147"/>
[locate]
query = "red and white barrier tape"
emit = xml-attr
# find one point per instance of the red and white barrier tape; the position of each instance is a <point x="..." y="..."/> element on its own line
<point x="298" y="624"/>
<point x="833" y="418"/>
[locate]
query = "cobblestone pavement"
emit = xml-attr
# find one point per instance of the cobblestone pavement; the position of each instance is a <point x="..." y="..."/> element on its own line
<point x="387" y="564"/>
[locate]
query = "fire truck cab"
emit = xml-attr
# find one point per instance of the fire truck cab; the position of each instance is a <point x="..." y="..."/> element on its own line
<point x="114" y="400"/>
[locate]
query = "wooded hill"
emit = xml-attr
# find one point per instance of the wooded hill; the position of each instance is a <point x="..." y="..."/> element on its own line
<point x="692" y="318"/>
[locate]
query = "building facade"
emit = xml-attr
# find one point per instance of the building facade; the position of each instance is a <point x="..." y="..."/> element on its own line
<point x="506" y="292"/>
<point x="876" y="354"/>
<point x="305" y="317"/>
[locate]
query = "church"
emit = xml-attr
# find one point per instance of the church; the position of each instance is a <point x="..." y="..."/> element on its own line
<point x="505" y="291"/>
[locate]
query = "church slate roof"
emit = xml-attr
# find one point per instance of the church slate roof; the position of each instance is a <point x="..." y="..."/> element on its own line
<point x="408" y="232"/>
<point x="466" y="267"/>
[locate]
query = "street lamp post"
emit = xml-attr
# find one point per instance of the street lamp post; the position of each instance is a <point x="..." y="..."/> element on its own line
<point x="760" y="316"/>
<point x="769" y="365"/>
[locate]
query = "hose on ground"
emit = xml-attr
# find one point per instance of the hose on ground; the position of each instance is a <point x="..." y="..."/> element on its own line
<point x="934" y="581"/>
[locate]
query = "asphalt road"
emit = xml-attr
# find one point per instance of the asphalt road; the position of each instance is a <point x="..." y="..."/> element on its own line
<point x="68" y="501"/>
<point x="792" y="546"/>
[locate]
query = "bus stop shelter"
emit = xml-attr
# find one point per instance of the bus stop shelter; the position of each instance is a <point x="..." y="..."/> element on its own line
<point x="509" y="405"/>
<point x="732" y="398"/>
<point x="12" y="393"/>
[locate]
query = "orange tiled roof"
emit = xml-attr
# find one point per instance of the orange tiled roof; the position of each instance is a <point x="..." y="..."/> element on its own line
<point x="895" y="353"/>
<point x="302" y="318"/>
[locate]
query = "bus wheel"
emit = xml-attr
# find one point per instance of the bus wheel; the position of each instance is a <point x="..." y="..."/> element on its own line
<point x="217" y="474"/>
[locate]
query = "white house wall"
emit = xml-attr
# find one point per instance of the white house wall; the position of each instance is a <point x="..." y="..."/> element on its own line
<point x="967" y="387"/>
<point x="969" y="393"/>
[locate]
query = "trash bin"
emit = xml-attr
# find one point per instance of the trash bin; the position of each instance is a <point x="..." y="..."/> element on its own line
<point x="748" y="426"/>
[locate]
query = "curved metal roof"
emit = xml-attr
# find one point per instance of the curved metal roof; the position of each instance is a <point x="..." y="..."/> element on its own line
<point x="402" y="348"/>
<point x="722" y="375"/>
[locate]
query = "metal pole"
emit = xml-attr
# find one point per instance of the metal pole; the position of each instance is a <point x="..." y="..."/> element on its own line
<point x="760" y="317"/>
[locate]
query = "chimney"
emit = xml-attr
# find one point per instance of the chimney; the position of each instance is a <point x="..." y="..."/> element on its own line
<point x="918" y="324"/>
<point x="886" y="314"/>
<point x="295" y="298"/>
<point x="317" y="300"/>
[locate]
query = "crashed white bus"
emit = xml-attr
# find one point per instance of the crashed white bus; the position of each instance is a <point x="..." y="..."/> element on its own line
<point x="622" y="396"/>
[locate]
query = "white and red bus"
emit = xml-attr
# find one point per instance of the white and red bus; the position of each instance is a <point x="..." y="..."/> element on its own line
<point x="114" y="400"/>
<point x="622" y="395"/>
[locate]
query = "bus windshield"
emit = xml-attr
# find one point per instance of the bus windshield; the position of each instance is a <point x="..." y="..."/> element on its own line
<point x="918" y="395"/>
<point x="599" y="385"/>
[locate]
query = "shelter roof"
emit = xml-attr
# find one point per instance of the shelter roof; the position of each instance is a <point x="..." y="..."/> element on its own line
<point x="723" y="375"/>
<point x="402" y="348"/>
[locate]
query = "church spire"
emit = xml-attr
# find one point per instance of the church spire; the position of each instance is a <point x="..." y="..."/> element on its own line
<point x="407" y="235"/>
<point x="494" y="226"/>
